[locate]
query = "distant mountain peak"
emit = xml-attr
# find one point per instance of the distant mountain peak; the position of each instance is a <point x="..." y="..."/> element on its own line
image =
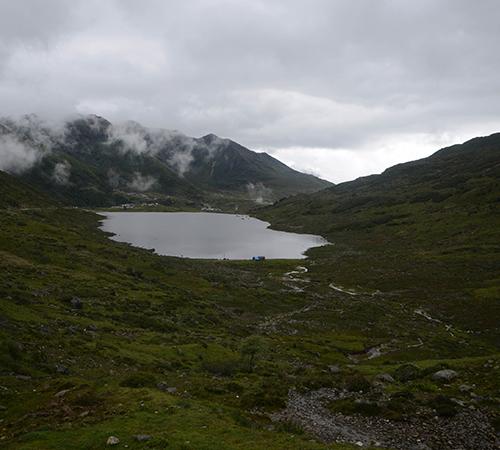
<point x="104" y="161"/>
<point x="211" y="138"/>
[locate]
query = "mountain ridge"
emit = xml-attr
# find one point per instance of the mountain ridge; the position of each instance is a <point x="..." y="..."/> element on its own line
<point x="437" y="219"/>
<point x="89" y="161"/>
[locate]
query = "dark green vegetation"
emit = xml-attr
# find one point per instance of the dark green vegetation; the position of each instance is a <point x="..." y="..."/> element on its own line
<point x="16" y="194"/>
<point x="237" y="169"/>
<point x="90" y="162"/>
<point x="430" y="227"/>
<point x="95" y="334"/>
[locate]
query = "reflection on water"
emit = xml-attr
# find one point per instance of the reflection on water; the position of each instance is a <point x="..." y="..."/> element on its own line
<point x="206" y="235"/>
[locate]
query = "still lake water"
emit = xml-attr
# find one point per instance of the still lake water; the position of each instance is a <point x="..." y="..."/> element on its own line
<point x="206" y="235"/>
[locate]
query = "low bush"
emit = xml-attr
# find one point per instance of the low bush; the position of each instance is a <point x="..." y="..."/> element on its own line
<point x="221" y="367"/>
<point x="357" y="383"/>
<point x="443" y="405"/>
<point x="139" y="380"/>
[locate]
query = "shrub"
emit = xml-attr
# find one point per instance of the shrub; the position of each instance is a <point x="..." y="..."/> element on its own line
<point x="14" y="349"/>
<point x="407" y="372"/>
<point x="138" y="380"/>
<point x="357" y="383"/>
<point x="87" y="398"/>
<point x="290" y="427"/>
<point x="315" y="380"/>
<point x="269" y="394"/>
<point x="222" y="367"/>
<point x="444" y="406"/>
<point x="251" y="348"/>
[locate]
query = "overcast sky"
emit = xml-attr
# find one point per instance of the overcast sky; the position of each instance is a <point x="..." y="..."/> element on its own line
<point x="335" y="88"/>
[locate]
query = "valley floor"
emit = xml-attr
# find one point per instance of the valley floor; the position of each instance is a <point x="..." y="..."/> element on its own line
<point x="342" y="350"/>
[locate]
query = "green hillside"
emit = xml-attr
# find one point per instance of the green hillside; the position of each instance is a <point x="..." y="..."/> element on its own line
<point x="16" y="194"/>
<point x="235" y="167"/>
<point x="101" y="339"/>
<point x="91" y="162"/>
<point x="438" y="217"/>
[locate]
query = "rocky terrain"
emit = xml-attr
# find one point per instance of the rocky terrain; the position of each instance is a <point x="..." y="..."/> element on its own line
<point x="420" y="429"/>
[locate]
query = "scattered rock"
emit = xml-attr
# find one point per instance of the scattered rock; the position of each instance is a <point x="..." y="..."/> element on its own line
<point x="420" y="446"/>
<point x="113" y="440"/>
<point x="166" y="388"/>
<point x="385" y="378"/>
<point x="475" y="397"/>
<point x="466" y="430"/>
<point x="3" y="408"/>
<point x="334" y="368"/>
<point x="465" y="388"/>
<point x="142" y="437"/>
<point x="63" y="370"/>
<point x="76" y="303"/>
<point x="62" y="393"/>
<point x="23" y="377"/>
<point x="445" y="375"/>
<point x="73" y="329"/>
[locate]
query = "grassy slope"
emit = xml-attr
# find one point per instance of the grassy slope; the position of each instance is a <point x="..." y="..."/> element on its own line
<point x="234" y="167"/>
<point x="15" y="194"/>
<point x="430" y="228"/>
<point x="89" y="180"/>
<point x="147" y="319"/>
<point x="168" y="320"/>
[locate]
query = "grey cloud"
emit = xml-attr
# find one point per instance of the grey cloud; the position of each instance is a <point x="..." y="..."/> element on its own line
<point x="259" y="193"/>
<point x="131" y="135"/>
<point x="61" y="173"/>
<point x="179" y="148"/>
<point x="114" y="178"/>
<point x="26" y="140"/>
<point x="272" y="75"/>
<point x="142" y="183"/>
<point x="16" y="156"/>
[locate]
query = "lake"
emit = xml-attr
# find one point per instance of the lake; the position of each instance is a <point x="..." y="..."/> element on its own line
<point x="206" y="235"/>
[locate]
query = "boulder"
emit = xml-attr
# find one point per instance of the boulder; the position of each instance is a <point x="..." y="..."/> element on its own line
<point x="166" y="388"/>
<point x="23" y="377"/>
<point x="63" y="370"/>
<point x="113" y="440"/>
<point x="61" y="393"/>
<point x="444" y="375"/>
<point x="334" y="368"/>
<point x="142" y="437"/>
<point x="76" y="303"/>
<point x="384" y="378"/>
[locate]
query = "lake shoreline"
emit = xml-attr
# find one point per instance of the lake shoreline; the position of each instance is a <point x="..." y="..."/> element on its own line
<point x="221" y="235"/>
